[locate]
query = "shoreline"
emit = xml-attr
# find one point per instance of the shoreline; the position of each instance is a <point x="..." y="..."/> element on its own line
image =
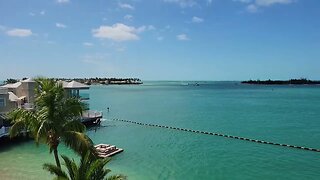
<point x="282" y="82"/>
<point x="89" y="81"/>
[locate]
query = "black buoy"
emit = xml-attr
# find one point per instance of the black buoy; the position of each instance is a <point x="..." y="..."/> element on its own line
<point x="217" y="134"/>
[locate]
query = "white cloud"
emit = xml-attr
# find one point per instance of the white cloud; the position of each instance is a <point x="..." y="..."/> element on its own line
<point x="182" y="3"/>
<point x="87" y="44"/>
<point x="160" y="38"/>
<point x="128" y="17"/>
<point x="182" y="37"/>
<point x="255" y="5"/>
<point x="197" y="19"/>
<point x="43" y="12"/>
<point x="271" y="2"/>
<point x="141" y="29"/>
<point x="150" y="28"/>
<point x="145" y="28"/>
<point x="51" y="42"/>
<point x="126" y="6"/>
<point x="252" y="8"/>
<point x="19" y="32"/>
<point x="60" y="25"/>
<point x="120" y="49"/>
<point x="243" y="1"/>
<point x="2" y="28"/>
<point x="118" y="32"/>
<point x="63" y="1"/>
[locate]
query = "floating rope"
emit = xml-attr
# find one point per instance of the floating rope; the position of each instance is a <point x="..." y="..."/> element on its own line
<point x="218" y="134"/>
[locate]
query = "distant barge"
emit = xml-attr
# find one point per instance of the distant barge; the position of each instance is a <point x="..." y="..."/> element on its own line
<point x="280" y="82"/>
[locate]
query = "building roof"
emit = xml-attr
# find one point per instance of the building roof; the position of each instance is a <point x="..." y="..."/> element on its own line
<point x="28" y="80"/>
<point x="64" y="83"/>
<point x="14" y="85"/>
<point x="75" y="85"/>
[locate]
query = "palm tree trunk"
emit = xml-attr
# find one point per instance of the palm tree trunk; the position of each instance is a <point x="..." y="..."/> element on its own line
<point x="56" y="157"/>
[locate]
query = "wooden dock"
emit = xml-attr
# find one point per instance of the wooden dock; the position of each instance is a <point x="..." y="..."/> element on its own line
<point x="107" y="150"/>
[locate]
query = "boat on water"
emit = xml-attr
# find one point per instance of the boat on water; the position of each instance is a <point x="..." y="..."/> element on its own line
<point x="193" y="84"/>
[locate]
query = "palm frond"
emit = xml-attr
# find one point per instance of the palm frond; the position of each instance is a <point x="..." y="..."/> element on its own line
<point x="117" y="177"/>
<point x="60" y="178"/>
<point x="97" y="169"/>
<point x="85" y="164"/>
<point x="71" y="166"/>
<point x="55" y="170"/>
<point x="16" y="128"/>
<point x="42" y="131"/>
<point x="89" y="168"/>
<point x="21" y="120"/>
<point x="77" y="141"/>
<point x="74" y="125"/>
<point x="74" y="106"/>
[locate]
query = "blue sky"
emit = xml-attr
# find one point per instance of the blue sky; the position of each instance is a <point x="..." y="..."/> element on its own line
<point x="160" y="39"/>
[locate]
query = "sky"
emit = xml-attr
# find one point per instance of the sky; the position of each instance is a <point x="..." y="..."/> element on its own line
<point x="160" y="39"/>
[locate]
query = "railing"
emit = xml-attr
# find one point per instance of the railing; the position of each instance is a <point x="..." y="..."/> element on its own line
<point x="84" y="96"/>
<point x="92" y="114"/>
<point x="3" y="90"/>
<point x="28" y="106"/>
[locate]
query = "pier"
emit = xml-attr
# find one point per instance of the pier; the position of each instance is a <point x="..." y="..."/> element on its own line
<point x="221" y="135"/>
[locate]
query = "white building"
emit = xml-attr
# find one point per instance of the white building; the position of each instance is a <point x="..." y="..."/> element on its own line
<point x="22" y="95"/>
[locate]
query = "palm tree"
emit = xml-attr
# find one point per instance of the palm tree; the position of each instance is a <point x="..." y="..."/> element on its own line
<point x="54" y="119"/>
<point x="89" y="168"/>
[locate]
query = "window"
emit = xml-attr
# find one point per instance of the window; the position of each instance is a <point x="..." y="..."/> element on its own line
<point x="2" y="102"/>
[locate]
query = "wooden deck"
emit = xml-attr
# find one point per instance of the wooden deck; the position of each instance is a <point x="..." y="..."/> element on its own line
<point x="107" y="150"/>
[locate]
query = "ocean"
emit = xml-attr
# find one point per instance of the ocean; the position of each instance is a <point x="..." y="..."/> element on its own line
<point x="280" y="114"/>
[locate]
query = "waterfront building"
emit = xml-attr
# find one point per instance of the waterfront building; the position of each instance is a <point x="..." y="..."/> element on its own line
<point x="22" y="95"/>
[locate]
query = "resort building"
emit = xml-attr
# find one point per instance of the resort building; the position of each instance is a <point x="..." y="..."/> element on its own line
<point x="19" y="94"/>
<point x="22" y="95"/>
<point x="73" y="89"/>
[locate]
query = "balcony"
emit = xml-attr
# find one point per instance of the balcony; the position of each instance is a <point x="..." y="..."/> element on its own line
<point x="3" y="90"/>
<point x="91" y="117"/>
<point x="28" y="106"/>
<point x="92" y="114"/>
<point x="80" y="95"/>
<point x="84" y="96"/>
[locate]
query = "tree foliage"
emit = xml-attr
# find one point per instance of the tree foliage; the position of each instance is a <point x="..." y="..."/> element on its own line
<point x="89" y="168"/>
<point x="54" y="119"/>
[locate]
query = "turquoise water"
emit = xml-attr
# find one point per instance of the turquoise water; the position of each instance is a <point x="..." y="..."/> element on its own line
<point x="282" y="114"/>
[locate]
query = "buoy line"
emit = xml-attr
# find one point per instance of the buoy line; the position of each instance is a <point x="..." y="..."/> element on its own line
<point x="219" y="134"/>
